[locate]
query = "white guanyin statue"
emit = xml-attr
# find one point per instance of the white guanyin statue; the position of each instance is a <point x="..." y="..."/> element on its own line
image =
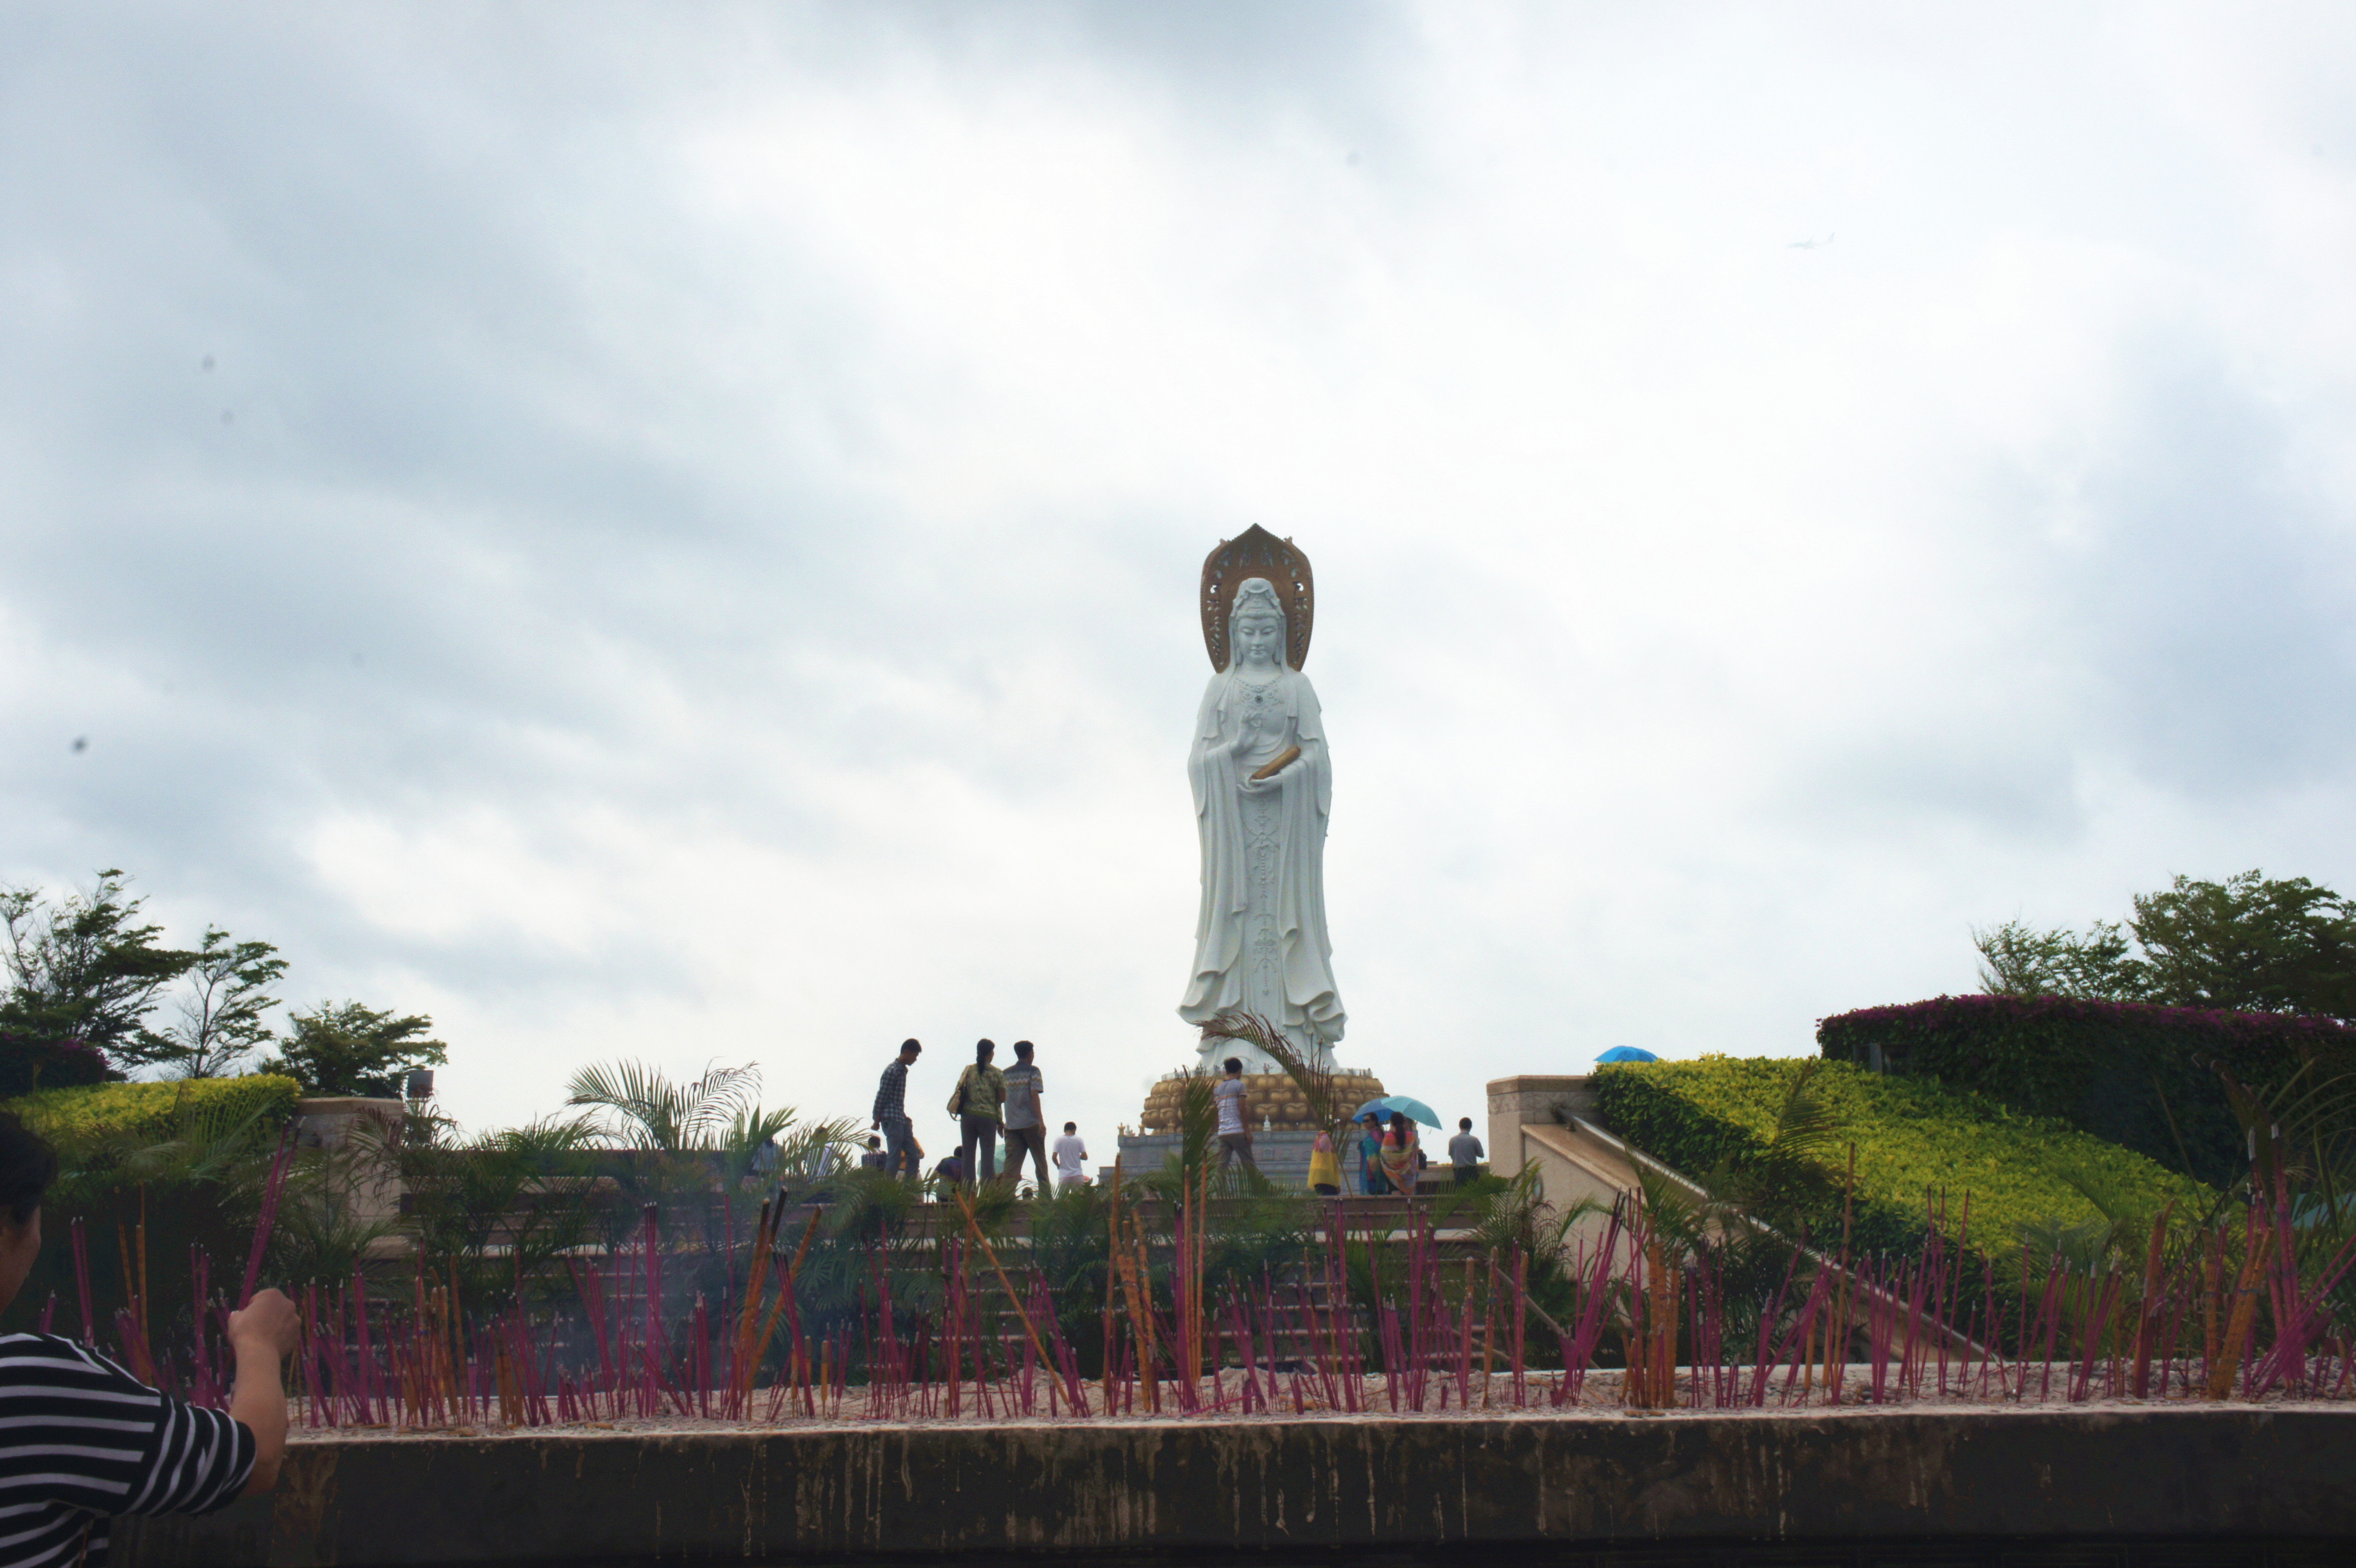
<point x="1263" y="787"/>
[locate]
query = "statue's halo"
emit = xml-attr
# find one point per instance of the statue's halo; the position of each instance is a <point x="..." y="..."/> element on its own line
<point x="1257" y="552"/>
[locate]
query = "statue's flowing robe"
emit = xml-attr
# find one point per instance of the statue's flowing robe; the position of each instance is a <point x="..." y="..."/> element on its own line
<point x="1259" y="938"/>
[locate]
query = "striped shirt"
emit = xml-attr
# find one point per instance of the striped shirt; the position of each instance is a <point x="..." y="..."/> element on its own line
<point x="81" y="1439"/>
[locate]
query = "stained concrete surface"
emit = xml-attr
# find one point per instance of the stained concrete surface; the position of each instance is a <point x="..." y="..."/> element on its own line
<point x="2265" y="1487"/>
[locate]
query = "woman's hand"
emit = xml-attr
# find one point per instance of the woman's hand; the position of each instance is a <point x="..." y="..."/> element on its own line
<point x="269" y="1319"/>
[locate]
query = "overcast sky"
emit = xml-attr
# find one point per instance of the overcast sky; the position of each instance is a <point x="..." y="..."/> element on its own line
<point x="671" y="532"/>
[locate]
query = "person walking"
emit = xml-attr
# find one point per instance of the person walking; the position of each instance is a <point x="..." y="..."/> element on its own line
<point x="1072" y="1156"/>
<point x="84" y="1441"/>
<point x="1464" y="1152"/>
<point x="1234" y="1125"/>
<point x="902" y="1154"/>
<point x="979" y="1103"/>
<point x="1026" y="1126"/>
<point x="1324" y="1166"/>
<point x="1399" y="1154"/>
<point x="1371" y="1180"/>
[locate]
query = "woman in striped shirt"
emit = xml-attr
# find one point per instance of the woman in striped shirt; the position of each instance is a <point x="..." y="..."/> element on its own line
<point x="81" y="1440"/>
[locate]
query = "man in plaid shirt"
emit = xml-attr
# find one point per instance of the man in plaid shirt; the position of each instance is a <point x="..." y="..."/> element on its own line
<point x="890" y="1116"/>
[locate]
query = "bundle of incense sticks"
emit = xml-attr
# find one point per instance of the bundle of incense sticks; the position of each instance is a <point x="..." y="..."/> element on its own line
<point x="1386" y="1310"/>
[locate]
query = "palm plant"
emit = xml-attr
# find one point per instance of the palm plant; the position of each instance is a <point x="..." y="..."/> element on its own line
<point x="1316" y="1083"/>
<point x="136" y="1197"/>
<point x="1071" y="1249"/>
<point x="337" y="1204"/>
<point x="689" y="1140"/>
<point x="2302" y="1143"/>
<point x="690" y="1147"/>
<point x="813" y="1153"/>
<point x="644" y="1108"/>
<point x="207" y="1144"/>
<point x="1198" y="1137"/>
<point x="2300" y="1138"/>
<point x="498" y="1210"/>
<point x="1749" y="1223"/>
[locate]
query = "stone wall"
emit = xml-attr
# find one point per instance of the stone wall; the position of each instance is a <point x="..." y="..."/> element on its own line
<point x="1452" y="1490"/>
<point x="1575" y="1166"/>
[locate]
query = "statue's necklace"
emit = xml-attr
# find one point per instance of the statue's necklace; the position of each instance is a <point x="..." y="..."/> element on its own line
<point x="1259" y="699"/>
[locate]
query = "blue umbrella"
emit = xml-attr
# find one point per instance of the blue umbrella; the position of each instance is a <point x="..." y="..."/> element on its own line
<point x="1405" y="1105"/>
<point x="1416" y="1110"/>
<point x="1627" y="1054"/>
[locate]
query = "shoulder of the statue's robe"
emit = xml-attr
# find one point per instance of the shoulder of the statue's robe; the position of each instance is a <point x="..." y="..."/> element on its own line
<point x="1308" y="718"/>
<point x="1214" y="702"/>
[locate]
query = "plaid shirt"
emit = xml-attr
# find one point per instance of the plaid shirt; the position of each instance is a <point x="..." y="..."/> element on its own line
<point x="891" y="1094"/>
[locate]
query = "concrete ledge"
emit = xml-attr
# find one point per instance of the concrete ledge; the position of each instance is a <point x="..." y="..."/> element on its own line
<point x="1506" y="1486"/>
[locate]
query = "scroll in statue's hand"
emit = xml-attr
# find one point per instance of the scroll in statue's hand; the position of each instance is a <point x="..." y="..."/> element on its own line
<point x="1285" y="758"/>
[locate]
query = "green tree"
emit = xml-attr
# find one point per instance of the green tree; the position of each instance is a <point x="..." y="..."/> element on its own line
<point x="2248" y="944"/>
<point x="2018" y="959"/>
<point x="86" y="969"/>
<point x="346" y="1048"/>
<point x="220" y="1016"/>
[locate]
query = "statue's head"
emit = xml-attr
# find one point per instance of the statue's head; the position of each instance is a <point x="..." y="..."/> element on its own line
<point x="1256" y="625"/>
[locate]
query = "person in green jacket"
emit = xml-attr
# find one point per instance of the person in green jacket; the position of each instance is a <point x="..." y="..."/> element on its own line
<point x="979" y="1103"/>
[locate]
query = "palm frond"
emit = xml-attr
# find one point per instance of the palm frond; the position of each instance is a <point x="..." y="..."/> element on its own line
<point x="548" y="1135"/>
<point x="646" y="1109"/>
<point x="1674" y="1214"/>
<point x="1807" y="1124"/>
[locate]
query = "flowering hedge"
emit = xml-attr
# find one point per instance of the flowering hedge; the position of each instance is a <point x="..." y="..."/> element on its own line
<point x="152" y="1110"/>
<point x="27" y="1064"/>
<point x="1915" y="1142"/>
<point x="2127" y="1072"/>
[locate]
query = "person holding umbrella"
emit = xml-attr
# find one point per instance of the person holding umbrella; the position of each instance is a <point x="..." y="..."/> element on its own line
<point x="1399" y="1151"/>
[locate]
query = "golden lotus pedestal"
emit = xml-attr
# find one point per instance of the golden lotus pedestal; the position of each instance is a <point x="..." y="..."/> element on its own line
<point x="1275" y="1101"/>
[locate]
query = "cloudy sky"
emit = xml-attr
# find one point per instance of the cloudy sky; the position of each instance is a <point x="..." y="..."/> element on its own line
<point x="671" y="532"/>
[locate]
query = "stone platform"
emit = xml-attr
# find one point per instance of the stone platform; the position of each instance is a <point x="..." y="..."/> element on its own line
<point x="1282" y="1155"/>
<point x="2120" y="1486"/>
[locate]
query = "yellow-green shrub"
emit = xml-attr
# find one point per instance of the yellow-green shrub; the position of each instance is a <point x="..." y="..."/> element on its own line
<point x="2136" y="1074"/>
<point x="1918" y="1144"/>
<point x="152" y="1110"/>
